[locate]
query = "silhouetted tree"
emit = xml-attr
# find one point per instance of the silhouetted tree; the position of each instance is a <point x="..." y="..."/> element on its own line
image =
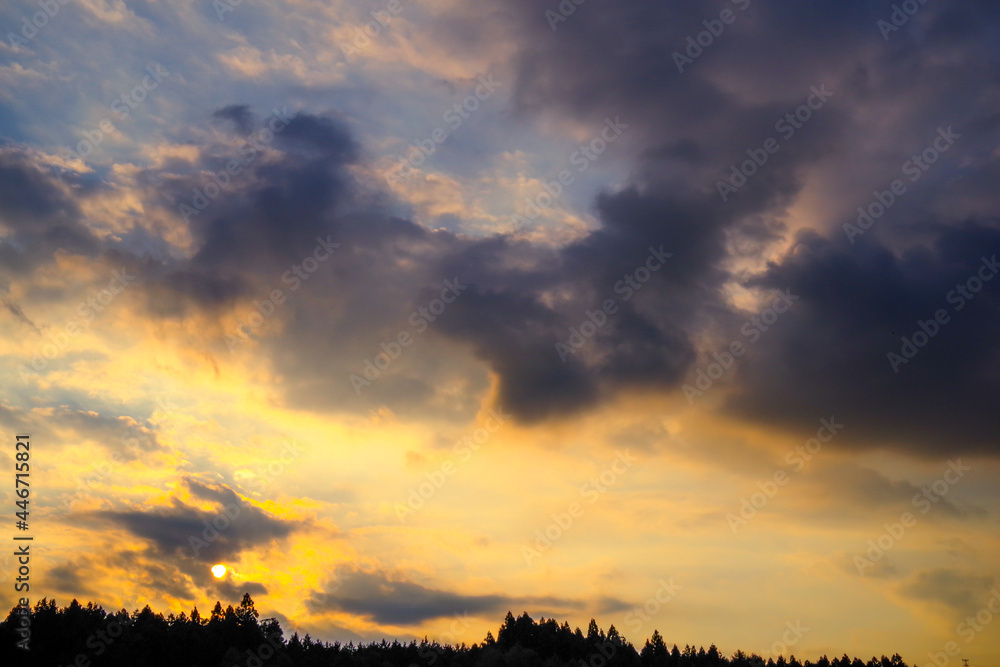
<point x="80" y="634"/>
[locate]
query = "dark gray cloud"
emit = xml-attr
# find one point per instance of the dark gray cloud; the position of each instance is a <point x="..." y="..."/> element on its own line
<point x="852" y="298"/>
<point x="233" y="591"/>
<point x="239" y="115"/>
<point x="387" y="268"/>
<point x="39" y="212"/>
<point x="395" y="601"/>
<point x="831" y="356"/>
<point x="189" y="534"/>
<point x="685" y="130"/>
<point x="32" y="202"/>
<point x="67" y="578"/>
<point x="857" y="304"/>
<point x="961" y="592"/>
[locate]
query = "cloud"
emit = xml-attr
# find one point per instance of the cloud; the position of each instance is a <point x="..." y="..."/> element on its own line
<point x="391" y="599"/>
<point x="959" y="591"/>
<point x="309" y="179"/>
<point x="229" y="590"/>
<point x="830" y="355"/>
<point x="121" y="434"/>
<point x="186" y="532"/>
<point x="16" y="311"/>
<point x="239" y="114"/>
<point x="66" y="577"/>
<point x="832" y="488"/>
<point x="38" y="213"/>
<point x="883" y="568"/>
<point x="388" y="268"/>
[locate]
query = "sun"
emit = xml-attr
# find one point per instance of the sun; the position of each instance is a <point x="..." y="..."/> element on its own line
<point x="219" y="571"/>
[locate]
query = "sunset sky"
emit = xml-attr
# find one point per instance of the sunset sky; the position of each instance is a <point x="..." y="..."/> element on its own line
<point x="677" y="315"/>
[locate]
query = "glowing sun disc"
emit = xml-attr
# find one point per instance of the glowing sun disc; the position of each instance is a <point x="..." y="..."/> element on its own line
<point x="219" y="571"/>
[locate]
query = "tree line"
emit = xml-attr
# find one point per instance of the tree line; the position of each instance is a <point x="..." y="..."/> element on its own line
<point x="85" y="636"/>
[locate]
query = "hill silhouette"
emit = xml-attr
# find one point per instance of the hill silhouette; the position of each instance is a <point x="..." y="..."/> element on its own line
<point x="86" y="636"/>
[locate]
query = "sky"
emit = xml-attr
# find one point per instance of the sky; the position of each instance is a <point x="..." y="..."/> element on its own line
<point x="675" y="315"/>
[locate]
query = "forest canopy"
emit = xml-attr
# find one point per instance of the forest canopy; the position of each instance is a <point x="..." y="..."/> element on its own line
<point x="236" y="636"/>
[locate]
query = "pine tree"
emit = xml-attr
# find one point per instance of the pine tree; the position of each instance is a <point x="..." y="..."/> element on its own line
<point x="217" y="613"/>
<point x="247" y="615"/>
